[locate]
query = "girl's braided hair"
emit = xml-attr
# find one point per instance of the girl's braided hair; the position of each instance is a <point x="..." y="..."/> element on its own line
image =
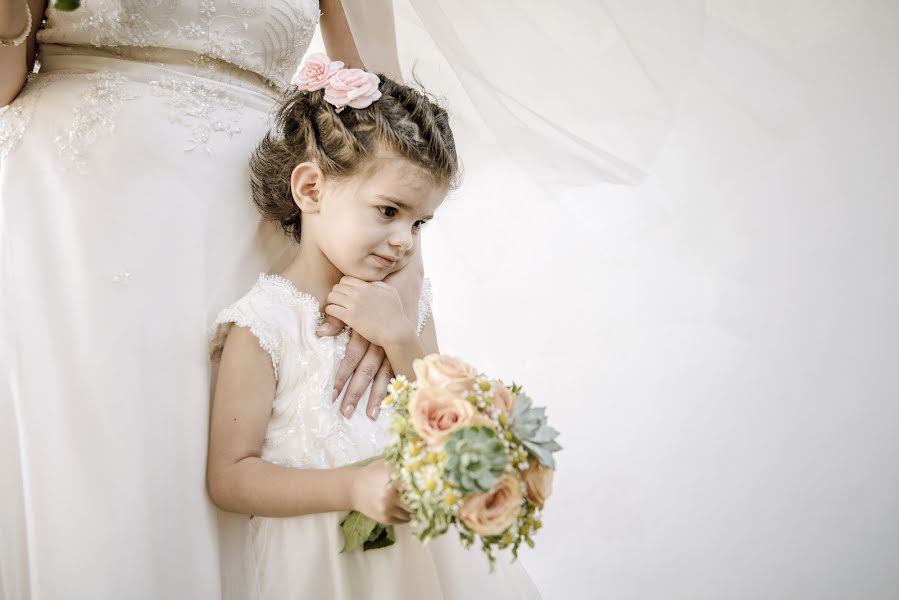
<point x="308" y="128"/>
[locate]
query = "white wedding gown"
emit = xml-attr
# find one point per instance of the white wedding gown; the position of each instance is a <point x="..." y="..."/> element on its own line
<point x="299" y="557"/>
<point x="126" y="224"/>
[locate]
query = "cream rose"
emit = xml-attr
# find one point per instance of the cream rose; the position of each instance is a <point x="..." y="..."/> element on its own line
<point x="503" y="398"/>
<point x="538" y="482"/>
<point x="491" y="513"/>
<point x="352" y="87"/>
<point x="444" y="371"/>
<point x="436" y="412"/>
<point x="315" y="72"/>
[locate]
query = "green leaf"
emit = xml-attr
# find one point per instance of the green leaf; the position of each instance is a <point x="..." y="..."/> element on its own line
<point x="366" y="461"/>
<point x="382" y="537"/>
<point x="357" y="528"/>
<point x="66" y="5"/>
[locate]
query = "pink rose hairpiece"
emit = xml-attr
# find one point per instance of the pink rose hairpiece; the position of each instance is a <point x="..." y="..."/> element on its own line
<point x="343" y="87"/>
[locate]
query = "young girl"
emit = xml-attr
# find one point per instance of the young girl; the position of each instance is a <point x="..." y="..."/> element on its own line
<point x="354" y="168"/>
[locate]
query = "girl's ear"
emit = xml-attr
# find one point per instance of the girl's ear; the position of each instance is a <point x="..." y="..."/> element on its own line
<point x="306" y="183"/>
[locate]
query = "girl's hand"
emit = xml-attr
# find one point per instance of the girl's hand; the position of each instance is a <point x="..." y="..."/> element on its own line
<point x="373" y="309"/>
<point x="376" y="497"/>
<point x="365" y="363"/>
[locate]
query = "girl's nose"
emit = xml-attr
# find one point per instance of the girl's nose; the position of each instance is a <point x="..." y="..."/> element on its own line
<point x="402" y="242"/>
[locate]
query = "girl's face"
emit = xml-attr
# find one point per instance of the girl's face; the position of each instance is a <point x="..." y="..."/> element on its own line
<point x="369" y="225"/>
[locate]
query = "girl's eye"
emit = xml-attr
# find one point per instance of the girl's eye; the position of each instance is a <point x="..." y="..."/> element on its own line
<point x="388" y="211"/>
<point x="419" y="224"/>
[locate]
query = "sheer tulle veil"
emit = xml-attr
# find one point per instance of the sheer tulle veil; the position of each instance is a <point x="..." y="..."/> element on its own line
<point x="576" y="93"/>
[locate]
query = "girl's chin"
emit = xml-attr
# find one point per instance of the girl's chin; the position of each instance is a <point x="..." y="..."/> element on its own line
<point x="367" y="273"/>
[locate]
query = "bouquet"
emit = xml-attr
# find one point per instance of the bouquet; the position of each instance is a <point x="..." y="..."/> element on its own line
<point x="469" y="451"/>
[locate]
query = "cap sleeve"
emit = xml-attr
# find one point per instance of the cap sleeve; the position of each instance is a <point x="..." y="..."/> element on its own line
<point x="254" y="312"/>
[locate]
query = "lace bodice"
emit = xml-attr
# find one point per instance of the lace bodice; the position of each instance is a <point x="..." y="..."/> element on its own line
<point x="267" y="37"/>
<point x="305" y="429"/>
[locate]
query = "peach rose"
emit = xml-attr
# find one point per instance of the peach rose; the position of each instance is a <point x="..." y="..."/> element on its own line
<point x="444" y="371"/>
<point x="316" y="72"/>
<point x="436" y="412"/>
<point x="503" y="398"/>
<point x="538" y="482"/>
<point x="491" y="513"/>
<point x="352" y="87"/>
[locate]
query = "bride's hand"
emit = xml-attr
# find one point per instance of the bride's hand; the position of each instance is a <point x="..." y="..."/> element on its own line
<point x="366" y="362"/>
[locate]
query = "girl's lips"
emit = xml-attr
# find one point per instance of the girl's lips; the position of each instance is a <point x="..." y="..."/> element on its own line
<point x="384" y="262"/>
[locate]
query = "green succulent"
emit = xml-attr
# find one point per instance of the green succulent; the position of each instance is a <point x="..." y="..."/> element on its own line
<point x="528" y="424"/>
<point x="475" y="459"/>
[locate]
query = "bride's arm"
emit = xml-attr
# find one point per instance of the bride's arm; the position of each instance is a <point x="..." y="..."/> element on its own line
<point x="361" y="33"/>
<point x="336" y="34"/>
<point x="17" y="61"/>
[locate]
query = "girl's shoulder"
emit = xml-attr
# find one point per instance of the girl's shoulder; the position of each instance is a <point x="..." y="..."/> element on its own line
<point x="272" y="307"/>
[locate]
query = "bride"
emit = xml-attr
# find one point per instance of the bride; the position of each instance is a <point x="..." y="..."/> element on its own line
<point x="124" y="206"/>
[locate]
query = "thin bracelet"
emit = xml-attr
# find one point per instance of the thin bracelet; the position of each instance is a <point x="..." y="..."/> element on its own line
<point x="22" y="36"/>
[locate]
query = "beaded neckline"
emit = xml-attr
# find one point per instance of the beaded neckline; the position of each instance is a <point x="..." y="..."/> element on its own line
<point x="287" y="287"/>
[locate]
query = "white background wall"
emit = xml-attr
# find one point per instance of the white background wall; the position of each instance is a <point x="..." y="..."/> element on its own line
<point x="718" y="346"/>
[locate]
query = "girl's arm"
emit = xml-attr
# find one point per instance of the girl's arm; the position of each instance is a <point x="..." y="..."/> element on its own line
<point x="242" y="482"/>
<point x="238" y="479"/>
<point x="17" y="61"/>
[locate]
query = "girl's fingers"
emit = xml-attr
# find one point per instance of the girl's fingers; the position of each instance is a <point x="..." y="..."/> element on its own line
<point x="336" y="296"/>
<point x="351" y="281"/>
<point x="344" y="288"/>
<point x="399" y="517"/>
<point x="335" y="310"/>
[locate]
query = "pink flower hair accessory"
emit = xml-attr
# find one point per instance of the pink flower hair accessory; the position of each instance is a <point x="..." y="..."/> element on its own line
<point x="355" y="88"/>
<point x="352" y="87"/>
<point x="315" y="72"/>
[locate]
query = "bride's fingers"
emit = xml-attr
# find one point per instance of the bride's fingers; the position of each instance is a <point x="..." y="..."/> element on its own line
<point x="379" y="389"/>
<point x="356" y="348"/>
<point x="331" y="326"/>
<point x="361" y="378"/>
